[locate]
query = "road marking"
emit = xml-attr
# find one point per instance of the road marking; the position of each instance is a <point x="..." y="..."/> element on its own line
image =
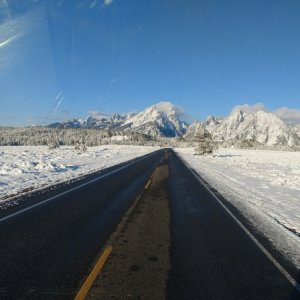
<point x="252" y="237"/>
<point x="83" y="292"/>
<point x="74" y="189"/>
<point x="81" y="295"/>
<point x="148" y="184"/>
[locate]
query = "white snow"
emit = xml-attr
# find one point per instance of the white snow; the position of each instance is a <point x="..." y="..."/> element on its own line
<point x="155" y="119"/>
<point x="263" y="185"/>
<point x="260" y="127"/>
<point x="297" y="129"/>
<point x="26" y="168"/>
<point x="161" y="119"/>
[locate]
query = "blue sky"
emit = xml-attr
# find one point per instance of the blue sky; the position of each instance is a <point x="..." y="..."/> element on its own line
<point x="61" y="59"/>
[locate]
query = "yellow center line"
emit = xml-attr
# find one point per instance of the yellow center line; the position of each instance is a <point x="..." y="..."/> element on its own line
<point x="148" y="184"/>
<point x="81" y="295"/>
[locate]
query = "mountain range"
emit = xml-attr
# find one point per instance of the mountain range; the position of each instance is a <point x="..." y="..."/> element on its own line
<point x="159" y="120"/>
<point x="252" y="128"/>
<point x="164" y="120"/>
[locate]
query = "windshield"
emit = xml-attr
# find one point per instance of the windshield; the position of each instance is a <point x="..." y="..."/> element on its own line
<point x="162" y="134"/>
<point x="64" y="59"/>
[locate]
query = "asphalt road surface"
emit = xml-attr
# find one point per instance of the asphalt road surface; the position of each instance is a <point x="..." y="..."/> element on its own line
<point x="47" y="250"/>
<point x="211" y="256"/>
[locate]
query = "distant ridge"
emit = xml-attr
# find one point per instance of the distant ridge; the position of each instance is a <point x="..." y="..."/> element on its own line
<point x="240" y="128"/>
<point x="159" y="120"/>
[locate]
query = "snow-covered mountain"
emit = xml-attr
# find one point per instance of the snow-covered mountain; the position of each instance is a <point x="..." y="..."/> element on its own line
<point x="241" y="128"/>
<point x="160" y="120"/>
<point x="95" y="120"/>
<point x="259" y="127"/>
<point x="297" y="129"/>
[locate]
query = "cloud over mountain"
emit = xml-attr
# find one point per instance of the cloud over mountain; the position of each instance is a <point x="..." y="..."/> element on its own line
<point x="247" y="108"/>
<point x="290" y="116"/>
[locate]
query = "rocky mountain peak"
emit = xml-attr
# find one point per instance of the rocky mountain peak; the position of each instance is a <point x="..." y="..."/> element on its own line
<point x="162" y="119"/>
<point x="261" y="127"/>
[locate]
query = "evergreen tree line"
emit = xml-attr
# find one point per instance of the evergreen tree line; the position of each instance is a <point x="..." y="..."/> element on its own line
<point x="41" y="136"/>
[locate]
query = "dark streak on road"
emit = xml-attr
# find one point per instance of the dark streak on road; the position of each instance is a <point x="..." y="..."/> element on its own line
<point x="46" y="251"/>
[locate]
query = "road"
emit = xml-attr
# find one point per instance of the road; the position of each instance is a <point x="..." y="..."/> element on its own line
<point x="212" y="256"/>
<point x="48" y="249"/>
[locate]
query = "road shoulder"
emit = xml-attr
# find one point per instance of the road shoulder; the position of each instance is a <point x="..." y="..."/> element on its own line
<point x="139" y="263"/>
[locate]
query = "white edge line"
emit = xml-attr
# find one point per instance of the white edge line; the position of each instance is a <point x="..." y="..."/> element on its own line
<point x="258" y="244"/>
<point x="75" y="188"/>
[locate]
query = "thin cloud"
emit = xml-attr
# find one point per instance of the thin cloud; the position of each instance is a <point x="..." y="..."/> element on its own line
<point x="93" y="4"/>
<point x="59" y="99"/>
<point x="18" y="27"/>
<point x="111" y="84"/>
<point x="166" y="106"/>
<point x="11" y="31"/>
<point x="107" y="2"/>
<point x="250" y="108"/>
<point x="290" y="116"/>
<point x="99" y="115"/>
<point x="4" y="9"/>
<point x="9" y="40"/>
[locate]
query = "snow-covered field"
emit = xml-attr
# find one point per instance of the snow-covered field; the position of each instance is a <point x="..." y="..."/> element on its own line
<point x="263" y="185"/>
<point x="26" y="168"/>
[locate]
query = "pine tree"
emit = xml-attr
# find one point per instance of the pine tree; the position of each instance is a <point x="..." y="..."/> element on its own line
<point x="205" y="144"/>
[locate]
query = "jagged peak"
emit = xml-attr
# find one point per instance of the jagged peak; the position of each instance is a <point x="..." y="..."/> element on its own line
<point x="168" y="108"/>
<point x="164" y="106"/>
<point x="254" y="125"/>
<point x="212" y="120"/>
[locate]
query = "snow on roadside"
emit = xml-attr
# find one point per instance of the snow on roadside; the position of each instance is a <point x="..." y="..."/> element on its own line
<point x="263" y="185"/>
<point x="26" y="168"/>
